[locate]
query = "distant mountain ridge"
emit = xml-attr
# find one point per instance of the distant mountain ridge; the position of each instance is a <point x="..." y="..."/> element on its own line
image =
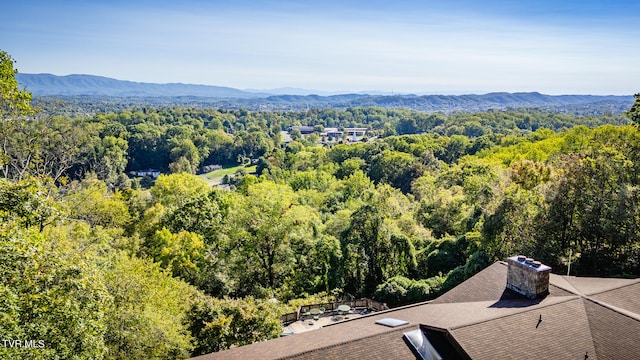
<point x="90" y="88"/>
<point x="76" y="84"/>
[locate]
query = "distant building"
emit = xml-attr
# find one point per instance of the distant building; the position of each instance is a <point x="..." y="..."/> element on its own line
<point x="148" y="173"/>
<point x="329" y="135"/>
<point x="355" y="134"/>
<point x="510" y="310"/>
<point x="286" y="137"/>
<point x="304" y="130"/>
<point x="332" y="133"/>
<point x="210" y="168"/>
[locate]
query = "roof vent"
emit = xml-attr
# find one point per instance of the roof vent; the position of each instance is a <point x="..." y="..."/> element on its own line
<point x="528" y="277"/>
<point x="391" y="322"/>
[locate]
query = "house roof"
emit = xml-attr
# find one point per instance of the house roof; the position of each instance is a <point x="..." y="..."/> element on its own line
<point x="304" y="129"/>
<point x="594" y="317"/>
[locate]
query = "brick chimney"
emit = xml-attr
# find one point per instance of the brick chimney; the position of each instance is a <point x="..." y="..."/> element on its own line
<point x="528" y="277"/>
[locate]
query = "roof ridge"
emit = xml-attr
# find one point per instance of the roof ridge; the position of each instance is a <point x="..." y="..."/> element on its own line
<point x="573" y="288"/>
<point x="569" y="298"/>
<point x="621" y="311"/>
<point x="631" y="283"/>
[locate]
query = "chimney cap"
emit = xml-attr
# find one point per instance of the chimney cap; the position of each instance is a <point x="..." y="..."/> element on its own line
<point x="530" y="263"/>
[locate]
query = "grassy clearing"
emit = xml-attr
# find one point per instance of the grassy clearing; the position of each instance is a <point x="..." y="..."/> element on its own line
<point x="216" y="176"/>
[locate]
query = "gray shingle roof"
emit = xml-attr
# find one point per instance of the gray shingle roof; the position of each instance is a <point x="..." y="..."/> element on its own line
<point x="615" y="336"/>
<point x="563" y="333"/>
<point x="593" y="316"/>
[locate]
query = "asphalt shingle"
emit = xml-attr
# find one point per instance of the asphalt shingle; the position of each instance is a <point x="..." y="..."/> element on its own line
<point x="596" y="317"/>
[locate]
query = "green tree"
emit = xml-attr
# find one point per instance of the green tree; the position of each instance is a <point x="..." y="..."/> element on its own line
<point x="181" y="165"/>
<point x="92" y="202"/>
<point x="64" y="284"/>
<point x="181" y="253"/>
<point x="219" y="324"/>
<point x="13" y="101"/>
<point x="148" y="311"/>
<point x="319" y="270"/>
<point x="399" y="290"/>
<point x="349" y="166"/>
<point x="42" y="146"/>
<point x="592" y="208"/>
<point x="395" y="168"/>
<point x="148" y="147"/>
<point x="443" y="256"/>
<point x="51" y="292"/>
<point x="177" y="189"/>
<point x="529" y="174"/>
<point x="316" y="180"/>
<point x="266" y="227"/>
<point x="184" y="156"/>
<point x="363" y="244"/>
<point x="456" y="147"/>
<point x="634" y="112"/>
<point x="445" y="212"/>
<point x="108" y="159"/>
<point x="511" y="228"/>
<point x="296" y="135"/>
<point x="203" y="214"/>
<point x="27" y="203"/>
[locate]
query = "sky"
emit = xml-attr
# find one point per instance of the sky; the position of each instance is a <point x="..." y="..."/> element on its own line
<point x="402" y="46"/>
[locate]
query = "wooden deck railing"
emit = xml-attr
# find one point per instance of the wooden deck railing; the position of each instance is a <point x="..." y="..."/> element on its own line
<point x="359" y="304"/>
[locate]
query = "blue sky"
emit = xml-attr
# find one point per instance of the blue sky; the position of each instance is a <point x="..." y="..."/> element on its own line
<point x="447" y="47"/>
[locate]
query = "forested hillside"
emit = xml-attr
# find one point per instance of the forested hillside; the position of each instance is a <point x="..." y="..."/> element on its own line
<point x="89" y="103"/>
<point x="101" y="264"/>
<point x="48" y="84"/>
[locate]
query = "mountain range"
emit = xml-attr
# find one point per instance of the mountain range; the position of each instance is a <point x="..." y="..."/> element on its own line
<point x="98" y="87"/>
<point x="70" y="85"/>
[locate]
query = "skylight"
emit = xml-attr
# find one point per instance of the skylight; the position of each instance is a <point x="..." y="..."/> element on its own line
<point x="391" y="322"/>
<point x="421" y="345"/>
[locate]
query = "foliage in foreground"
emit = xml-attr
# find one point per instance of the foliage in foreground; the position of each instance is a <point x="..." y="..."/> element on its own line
<point x="97" y="266"/>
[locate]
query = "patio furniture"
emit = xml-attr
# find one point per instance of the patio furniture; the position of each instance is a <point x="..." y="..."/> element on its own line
<point x="316" y="311"/>
<point x="342" y="309"/>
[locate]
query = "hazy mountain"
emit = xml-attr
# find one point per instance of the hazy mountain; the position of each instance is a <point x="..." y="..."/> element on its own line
<point x="293" y="91"/>
<point x="305" y="92"/>
<point x="48" y="84"/>
<point x="499" y="100"/>
<point x="88" y="91"/>
<point x="576" y="104"/>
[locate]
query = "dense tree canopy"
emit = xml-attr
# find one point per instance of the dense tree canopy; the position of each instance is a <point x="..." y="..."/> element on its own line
<point x="14" y="102"/>
<point x="100" y="263"/>
<point x="634" y="112"/>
